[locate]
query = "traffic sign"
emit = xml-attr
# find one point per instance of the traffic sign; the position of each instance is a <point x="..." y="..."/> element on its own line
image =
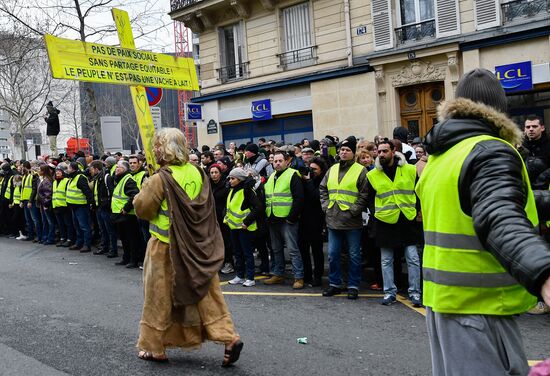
<point x="154" y="95"/>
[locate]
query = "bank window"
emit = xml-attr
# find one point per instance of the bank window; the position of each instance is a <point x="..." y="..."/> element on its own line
<point x="232" y="53"/>
<point x="297" y="39"/>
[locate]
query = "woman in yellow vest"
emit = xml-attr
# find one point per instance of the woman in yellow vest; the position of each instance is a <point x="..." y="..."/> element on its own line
<point x="28" y="203"/>
<point x="79" y="198"/>
<point x="242" y="209"/>
<point x="17" y="217"/>
<point x="183" y="304"/>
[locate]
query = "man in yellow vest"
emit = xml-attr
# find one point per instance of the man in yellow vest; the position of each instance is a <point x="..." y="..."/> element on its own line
<point x="284" y="195"/>
<point x="6" y="192"/>
<point x="343" y="198"/>
<point x="79" y="197"/>
<point x="62" y="211"/>
<point x="28" y="203"/>
<point x="391" y="188"/>
<point x="103" y="187"/>
<point x="139" y="174"/>
<point x="483" y="260"/>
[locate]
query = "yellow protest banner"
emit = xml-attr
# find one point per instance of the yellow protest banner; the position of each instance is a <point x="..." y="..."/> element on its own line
<point x="92" y="62"/>
<point x="139" y="96"/>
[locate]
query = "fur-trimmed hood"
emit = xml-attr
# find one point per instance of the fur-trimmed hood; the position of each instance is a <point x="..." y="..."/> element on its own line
<point x="463" y="118"/>
<point x="401" y="161"/>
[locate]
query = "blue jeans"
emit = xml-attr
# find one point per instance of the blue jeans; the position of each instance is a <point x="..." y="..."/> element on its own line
<point x="65" y="223"/>
<point x="244" y="253"/>
<point x="335" y="242"/>
<point x="34" y="221"/>
<point x="282" y="233"/>
<point x="29" y="223"/>
<point x="413" y="265"/>
<point x="107" y="230"/>
<point x="81" y="220"/>
<point x="48" y="225"/>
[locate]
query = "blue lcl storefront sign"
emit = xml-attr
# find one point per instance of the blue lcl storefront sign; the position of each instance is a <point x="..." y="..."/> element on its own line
<point x="515" y="77"/>
<point x="194" y="112"/>
<point x="261" y="110"/>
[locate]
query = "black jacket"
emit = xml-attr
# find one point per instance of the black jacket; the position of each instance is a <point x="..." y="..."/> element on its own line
<point x="537" y="159"/>
<point x="312" y="220"/>
<point x="220" y="191"/>
<point x="491" y="189"/>
<point x="52" y="121"/>
<point x="105" y="188"/>
<point x="5" y="187"/>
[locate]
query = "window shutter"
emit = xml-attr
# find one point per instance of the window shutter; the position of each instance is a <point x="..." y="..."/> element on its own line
<point x="447" y="18"/>
<point x="223" y="47"/>
<point x="297" y="28"/>
<point x="382" y="24"/>
<point x="487" y="13"/>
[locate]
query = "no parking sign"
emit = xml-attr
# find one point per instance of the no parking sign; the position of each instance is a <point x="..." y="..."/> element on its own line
<point x="154" y="95"/>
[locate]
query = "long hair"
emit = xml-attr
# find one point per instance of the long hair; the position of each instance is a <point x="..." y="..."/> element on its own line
<point x="172" y="147"/>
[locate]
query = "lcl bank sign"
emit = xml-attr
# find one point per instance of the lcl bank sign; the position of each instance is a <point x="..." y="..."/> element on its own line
<point x="261" y="110"/>
<point x="515" y="77"/>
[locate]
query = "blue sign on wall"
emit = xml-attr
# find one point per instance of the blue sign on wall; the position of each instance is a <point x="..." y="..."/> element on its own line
<point x="194" y="111"/>
<point x="261" y="110"/>
<point x="515" y="77"/>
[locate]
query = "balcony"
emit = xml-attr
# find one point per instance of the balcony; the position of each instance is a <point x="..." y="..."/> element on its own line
<point x="415" y="32"/>
<point x="180" y="4"/>
<point x="233" y="72"/>
<point x="522" y="9"/>
<point x="301" y="57"/>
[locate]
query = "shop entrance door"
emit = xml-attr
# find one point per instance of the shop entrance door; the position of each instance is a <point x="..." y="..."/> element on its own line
<point x="418" y="107"/>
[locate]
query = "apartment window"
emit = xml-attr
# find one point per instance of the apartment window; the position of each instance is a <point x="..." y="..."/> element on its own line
<point x="298" y="49"/>
<point x="233" y="65"/>
<point x="417" y="20"/>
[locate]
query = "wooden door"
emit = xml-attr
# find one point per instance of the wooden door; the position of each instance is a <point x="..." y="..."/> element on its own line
<point x="418" y="107"/>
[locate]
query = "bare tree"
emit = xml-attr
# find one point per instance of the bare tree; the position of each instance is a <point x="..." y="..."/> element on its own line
<point x="25" y="80"/>
<point x="81" y="19"/>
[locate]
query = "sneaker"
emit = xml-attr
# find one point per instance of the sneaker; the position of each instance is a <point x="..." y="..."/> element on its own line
<point x="375" y="287"/>
<point x="353" y="294"/>
<point x="540" y="309"/>
<point x="237" y="281"/>
<point x="298" y="284"/>
<point x="21" y="237"/>
<point x="227" y="268"/>
<point x="249" y="283"/>
<point x="416" y="300"/>
<point x="331" y="291"/>
<point x="274" y="280"/>
<point x="388" y="300"/>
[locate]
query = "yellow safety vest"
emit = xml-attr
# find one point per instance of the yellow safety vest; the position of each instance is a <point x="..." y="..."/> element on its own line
<point x="138" y="177"/>
<point x="345" y="192"/>
<point x="394" y="197"/>
<point x="59" y="194"/>
<point x="190" y="179"/>
<point x="460" y="275"/>
<point x="17" y="195"/>
<point x="7" y="193"/>
<point x="235" y="216"/>
<point x="74" y="195"/>
<point x="27" y="187"/>
<point x="119" y="197"/>
<point x="278" y="197"/>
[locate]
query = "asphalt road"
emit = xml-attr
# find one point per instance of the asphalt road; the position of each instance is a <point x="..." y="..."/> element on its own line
<point x="62" y="312"/>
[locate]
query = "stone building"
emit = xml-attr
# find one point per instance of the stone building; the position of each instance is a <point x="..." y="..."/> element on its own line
<point x="287" y="69"/>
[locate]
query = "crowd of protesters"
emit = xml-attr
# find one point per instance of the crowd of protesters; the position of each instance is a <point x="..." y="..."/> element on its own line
<point x="273" y="202"/>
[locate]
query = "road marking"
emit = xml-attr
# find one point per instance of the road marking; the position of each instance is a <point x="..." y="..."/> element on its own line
<point x="408" y="303"/>
<point x="256" y="279"/>
<point x="262" y="293"/>
<point x="534" y="362"/>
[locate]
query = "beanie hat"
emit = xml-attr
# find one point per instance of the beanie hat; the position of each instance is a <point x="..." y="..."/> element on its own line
<point x="350" y="142"/>
<point x="62" y="166"/>
<point x="481" y="85"/>
<point x="110" y="161"/>
<point x="253" y="148"/>
<point x="238" y="173"/>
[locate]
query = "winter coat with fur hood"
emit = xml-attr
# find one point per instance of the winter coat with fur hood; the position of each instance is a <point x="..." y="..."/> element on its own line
<point x="492" y="190"/>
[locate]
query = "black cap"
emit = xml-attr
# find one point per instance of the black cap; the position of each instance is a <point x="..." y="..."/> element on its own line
<point x="481" y="85"/>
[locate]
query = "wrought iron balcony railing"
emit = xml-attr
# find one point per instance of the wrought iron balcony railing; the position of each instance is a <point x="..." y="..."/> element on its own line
<point x="513" y="10"/>
<point x="297" y="58"/>
<point x="180" y="4"/>
<point x="233" y="72"/>
<point x="416" y="32"/>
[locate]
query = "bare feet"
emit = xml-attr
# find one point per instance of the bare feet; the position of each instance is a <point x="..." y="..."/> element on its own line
<point x="145" y="355"/>
<point x="232" y="351"/>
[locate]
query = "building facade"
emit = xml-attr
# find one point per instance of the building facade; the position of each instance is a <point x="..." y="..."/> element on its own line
<point x="293" y="69"/>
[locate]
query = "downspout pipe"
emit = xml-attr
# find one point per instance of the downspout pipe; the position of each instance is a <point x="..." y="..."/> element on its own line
<point x="349" y="50"/>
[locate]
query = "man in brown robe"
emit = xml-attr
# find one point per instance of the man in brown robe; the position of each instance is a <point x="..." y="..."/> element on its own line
<point x="183" y="303"/>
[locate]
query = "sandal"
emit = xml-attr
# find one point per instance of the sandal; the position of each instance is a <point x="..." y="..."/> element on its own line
<point x="232" y="355"/>
<point x="145" y="355"/>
